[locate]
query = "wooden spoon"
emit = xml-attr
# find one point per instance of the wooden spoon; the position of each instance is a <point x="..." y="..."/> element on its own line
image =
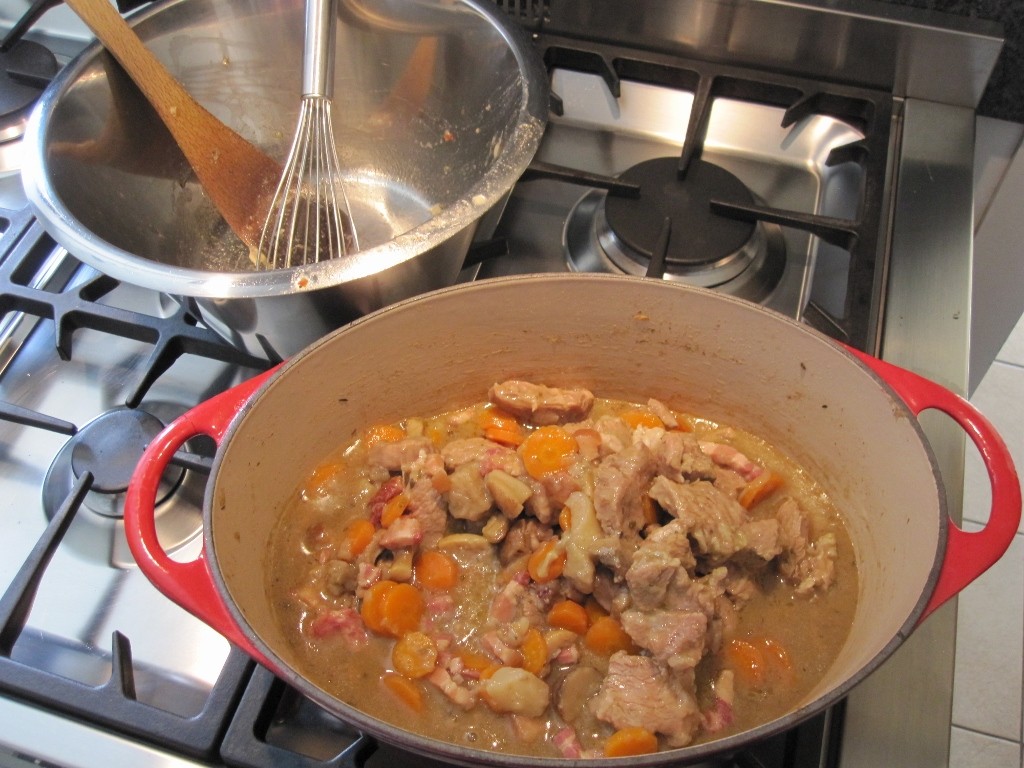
<point x="238" y="177"/>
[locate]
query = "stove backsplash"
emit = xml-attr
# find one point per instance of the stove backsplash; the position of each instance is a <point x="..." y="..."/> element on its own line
<point x="906" y="51"/>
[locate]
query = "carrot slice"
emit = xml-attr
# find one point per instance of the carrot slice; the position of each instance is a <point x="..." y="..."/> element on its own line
<point x="760" y="488"/>
<point x="401" y="610"/>
<point x="324" y="472"/>
<point x="747" y="661"/>
<point x="565" y="519"/>
<point x="383" y="433"/>
<point x="435" y="570"/>
<point x="484" y="666"/>
<point x="547" y="563"/>
<point x="568" y="614"/>
<point x="505" y="436"/>
<point x="358" y="535"/>
<point x="627" y="742"/>
<point x="606" y="636"/>
<point x="405" y="690"/>
<point x="393" y="509"/>
<point x="641" y="417"/>
<point x="414" y="655"/>
<point x="372" y="608"/>
<point x="534" y="649"/>
<point x="776" y="650"/>
<point x="496" y="418"/>
<point x="546" y="450"/>
<point x="759" y="662"/>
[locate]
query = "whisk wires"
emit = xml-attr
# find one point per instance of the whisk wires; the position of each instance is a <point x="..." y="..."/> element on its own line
<point x="309" y="219"/>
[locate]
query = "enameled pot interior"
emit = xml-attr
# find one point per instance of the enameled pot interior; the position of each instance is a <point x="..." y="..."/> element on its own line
<point x="631" y="338"/>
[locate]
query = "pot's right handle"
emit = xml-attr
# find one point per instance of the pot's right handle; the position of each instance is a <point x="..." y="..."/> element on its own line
<point x="189" y="584"/>
<point x="968" y="555"/>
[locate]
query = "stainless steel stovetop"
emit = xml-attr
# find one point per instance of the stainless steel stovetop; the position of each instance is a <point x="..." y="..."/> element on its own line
<point x="863" y="182"/>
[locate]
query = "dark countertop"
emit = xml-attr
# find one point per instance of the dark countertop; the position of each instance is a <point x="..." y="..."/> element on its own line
<point x="1004" y="97"/>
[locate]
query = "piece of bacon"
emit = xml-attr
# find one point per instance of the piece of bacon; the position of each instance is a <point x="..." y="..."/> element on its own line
<point x="567" y="743"/>
<point x="387" y="491"/>
<point x="718" y="716"/>
<point x="728" y="457"/>
<point x="405" y="533"/>
<point x="463" y="697"/>
<point x="345" y="622"/>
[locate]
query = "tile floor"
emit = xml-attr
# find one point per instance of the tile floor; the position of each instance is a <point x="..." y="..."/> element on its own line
<point x="988" y="688"/>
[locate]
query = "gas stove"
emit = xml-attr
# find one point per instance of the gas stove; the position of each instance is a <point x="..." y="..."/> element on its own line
<point x="818" y="161"/>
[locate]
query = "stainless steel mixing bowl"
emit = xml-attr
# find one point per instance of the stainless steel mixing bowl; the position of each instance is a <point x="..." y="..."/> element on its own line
<point x="439" y="107"/>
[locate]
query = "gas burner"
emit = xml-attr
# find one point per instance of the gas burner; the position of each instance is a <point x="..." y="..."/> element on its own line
<point x="26" y="68"/>
<point x="606" y="232"/>
<point x="109" y="447"/>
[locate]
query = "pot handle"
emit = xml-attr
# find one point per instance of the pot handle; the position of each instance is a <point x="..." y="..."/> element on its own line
<point x="968" y="555"/>
<point x="189" y="584"/>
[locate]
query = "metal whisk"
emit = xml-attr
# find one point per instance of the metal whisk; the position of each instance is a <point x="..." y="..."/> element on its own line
<point x="309" y="218"/>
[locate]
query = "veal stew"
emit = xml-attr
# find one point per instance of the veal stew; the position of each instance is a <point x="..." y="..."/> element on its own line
<point x="555" y="574"/>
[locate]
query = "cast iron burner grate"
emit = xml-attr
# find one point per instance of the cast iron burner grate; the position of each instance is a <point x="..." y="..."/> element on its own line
<point x="685" y="199"/>
<point x="668" y="229"/>
<point x="869" y="111"/>
<point x="28" y="253"/>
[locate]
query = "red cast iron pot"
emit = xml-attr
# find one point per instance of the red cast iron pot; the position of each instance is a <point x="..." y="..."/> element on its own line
<point x="848" y="418"/>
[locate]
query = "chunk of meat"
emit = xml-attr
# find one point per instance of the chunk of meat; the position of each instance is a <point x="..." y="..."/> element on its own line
<point x="650" y="576"/>
<point x="762" y="538"/>
<point x="712" y="520"/>
<point x="558" y="486"/>
<point x="678" y="454"/>
<point x="396" y="455"/>
<point x="676" y="638"/>
<point x="807" y="565"/>
<point x="702" y="593"/>
<point x="663" y="412"/>
<point x="539" y="404"/>
<point x="661" y="563"/>
<point x="519" y="599"/>
<point x="524" y="536"/>
<point x="612" y="595"/>
<point x="640" y="692"/>
<point x="486" y="454"/>
<point x="426" y="504"/>
<point x="426" y="507"/>
<point x="538" y="504"/>
<point x="619" y="483"/>
<point x="468" y="498"/>
<point x="615" y="434"/>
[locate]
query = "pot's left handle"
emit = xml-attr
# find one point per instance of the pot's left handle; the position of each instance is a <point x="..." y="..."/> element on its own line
<point x="968" y="555"/>
<point x="189" y="584"/>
